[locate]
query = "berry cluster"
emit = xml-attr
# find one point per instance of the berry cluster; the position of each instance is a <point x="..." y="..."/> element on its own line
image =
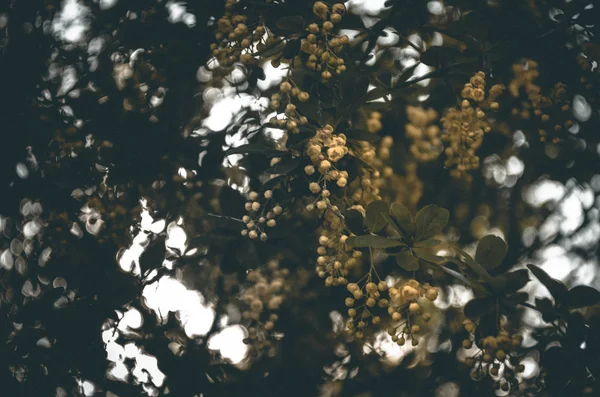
<point x="324" y="150"/>
<point x="406" y="310"/>
<point x="496" y="357"/>
<point x="362" y="303"/>
<point x="466" y="125"/>
<point x="335" y="260"/>
<point x="262" y="211"/>
<point x="426" y="143"/>
<point x="538" y="106"/>
<point x="321" y="48"/>
<point x="263" y="298"/>
<point x="292" y="119"/>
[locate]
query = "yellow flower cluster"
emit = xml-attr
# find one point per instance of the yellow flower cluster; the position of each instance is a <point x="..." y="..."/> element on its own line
<point x="321" y="48"/>
<point x="364" y="298"/>
<point x="496" y="356"/>
<point x="324" y="150"/>
<point x="374" y="122"/>
<point x="292" y="119"/>
<point x="405" y="310"/>
<point x="466" y="125"/>
<point x="265" y="295"/>
<point x="389" y="185"/>
<point x="262" y="211"/>
<point x="540" y="106"/>
<point x="425" y="136"/>
<point x="335" y="260"/>
<point x="235" y="40"/>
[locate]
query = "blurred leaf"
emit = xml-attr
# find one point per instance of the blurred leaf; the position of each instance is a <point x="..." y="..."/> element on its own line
<point x="376" y="93"/>
<point x="582" y="296"/>
<point x="439" y="55"/>
<point x="375" y="221"/>
<point x="402" y="216"/>
<point x="430" y="243"/>
<point x="407" y="261"/>
<point x="476" y="308"/>
<point x="361" y="135"/>
<point x="426" y="255"/>
<point x="253" y="148"/>
<point x="430" y="220"/>
<point x="491" y="251"/>
<point x="372" y="241"/>
<point x="557" y="289"/>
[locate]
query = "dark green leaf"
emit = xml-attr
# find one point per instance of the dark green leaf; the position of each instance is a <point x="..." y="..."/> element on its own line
<point x="361" y="135"/>
<point x="547" y="309"/>
<point x="426" y="255"/>
<point x="355" y="221"/>
<point x="456" y="275"/>
<point x="272" y="50"/>
<point x="402" y="216"/>
<point x="476" y="308"/>
<point x="516" y="299"/>
<point x="582" y="296"/>
<point x="439" y="55"/>
<point x="376" y="93"/>
<point x="291" y="24"/>
<point x="407" y="261"/>
<point x="556" y="288"/>
<point x="292" y="49"/>
<point x="430" y="220"/>
<point x="285" y="166"/>
<point x="372" y="241"/>
<point x="375" y="221"/>
<point x="253" y="148"/>
<point x="509" y="282"/>
<point x="476" y="267"/>
<point x="491" y="251"/>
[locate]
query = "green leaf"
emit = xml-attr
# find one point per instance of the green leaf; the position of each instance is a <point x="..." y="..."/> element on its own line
<point x="290" y="24"/>
<point x="509" y="282"/>
<point x="375" y="221"/>
<point x="355" y="221"/>
<point x="456" y="275"/>
<point x="476" y="267"/>
<point x="582" y="296"/>
<point x="516" y="299"/>
<point x="372" y="241"/>
<point x="407" y="261"/>
<point x="430" y="220"/>
<point x="491" y="251"/>
<point x="402" y="216"/>
<point x="476" y="308"/>
<point x="253" y="148"/>
<point x="557" y="289"/>
<point x="272" y="50"/>
<point x="430" y="243"/>
<point x="426" y="255"/>
<point x="439" y="55"/>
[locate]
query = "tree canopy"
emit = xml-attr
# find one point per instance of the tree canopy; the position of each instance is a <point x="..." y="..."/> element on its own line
<point x="299" y="198"/>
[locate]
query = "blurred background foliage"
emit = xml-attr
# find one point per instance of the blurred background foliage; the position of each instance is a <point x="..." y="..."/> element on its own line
<point x="125" y="172"/>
